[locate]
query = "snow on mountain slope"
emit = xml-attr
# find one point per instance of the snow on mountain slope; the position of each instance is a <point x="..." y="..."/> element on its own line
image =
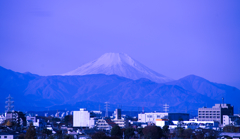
<point x="120" y="64"/>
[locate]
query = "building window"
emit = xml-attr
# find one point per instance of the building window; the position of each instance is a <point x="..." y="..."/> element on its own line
<point x="149" y="116"/>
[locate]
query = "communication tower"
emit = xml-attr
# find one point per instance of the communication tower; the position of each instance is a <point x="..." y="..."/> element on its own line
<point x="9" y="103"/>
<point x="166" y="108"/>
<point x="106" y="105"/>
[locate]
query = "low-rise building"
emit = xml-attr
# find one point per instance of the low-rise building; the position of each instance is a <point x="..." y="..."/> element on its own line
<point x="105" y="124"/>
<point x="231" y="120"/>
<point x="16" y="116"/>
<point x="215" y="113"/>
<point x="2" y="118"/>
<point x="152" y="116"/>
<point x="4" y="135"/>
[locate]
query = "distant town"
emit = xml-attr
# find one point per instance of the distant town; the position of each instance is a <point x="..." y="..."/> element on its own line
<point x="217" y="122"/>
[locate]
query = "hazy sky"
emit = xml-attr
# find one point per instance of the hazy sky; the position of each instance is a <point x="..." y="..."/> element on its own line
<point x="175" y="38"/>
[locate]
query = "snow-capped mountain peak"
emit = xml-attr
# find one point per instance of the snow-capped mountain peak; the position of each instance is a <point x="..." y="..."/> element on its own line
<point x="109" y="59"/>
<point x="120" y="64"/>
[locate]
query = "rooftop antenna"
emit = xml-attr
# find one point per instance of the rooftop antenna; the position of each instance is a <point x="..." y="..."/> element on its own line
<point x="166" y="108"/>
<point x="106" y="105"/>
<point x="223" y="100"/>
<point x="142" y="109"/>
<point x="9" y="103"/>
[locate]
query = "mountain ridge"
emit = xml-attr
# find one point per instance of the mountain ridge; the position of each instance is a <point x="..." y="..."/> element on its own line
<point x="59" y="91"/>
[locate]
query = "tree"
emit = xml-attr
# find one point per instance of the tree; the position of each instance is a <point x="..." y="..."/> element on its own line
<point x="188" y="133"/>
<point x="31" y="132"/>
<point x="46" y="131"/>
<point x="152" y="132"/>
<point x="165" y="129"/>
<point x="9" y="123"/>
<point x="21" y="136"/>
<point x="102" y="135"/>
<point x="116" y="131"/>
<point x="68" y="137"/>
<point x="230" y="128"/>
<point x="179" y="131"/>
<point x="129" y="132"/>
<point x="140" y="131"/>
<point x="51" y="137"/>
<point x="68" y="119"/>
<point x="99" y="135"/>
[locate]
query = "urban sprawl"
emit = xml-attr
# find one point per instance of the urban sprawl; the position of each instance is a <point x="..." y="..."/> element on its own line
<point x="218" y="122"/>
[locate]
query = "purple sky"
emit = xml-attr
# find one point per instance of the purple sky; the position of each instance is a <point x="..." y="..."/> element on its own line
<point x="175" y="38"/>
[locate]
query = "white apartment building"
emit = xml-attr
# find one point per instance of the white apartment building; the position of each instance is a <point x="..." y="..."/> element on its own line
<point x="82" y="119"/>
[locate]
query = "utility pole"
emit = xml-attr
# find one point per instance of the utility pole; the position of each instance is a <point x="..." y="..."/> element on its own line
<point x="106" y="112"/>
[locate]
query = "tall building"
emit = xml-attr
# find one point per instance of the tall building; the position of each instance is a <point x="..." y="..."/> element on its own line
<point x="121" y="122"/>
<point x="117" y="113"/>
<point x="215" y="113"/>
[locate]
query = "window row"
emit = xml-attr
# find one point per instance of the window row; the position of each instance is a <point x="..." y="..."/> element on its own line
<point x="209" y="114"/>
<point x="209" y="111"/>
<point x="209" y="117"/>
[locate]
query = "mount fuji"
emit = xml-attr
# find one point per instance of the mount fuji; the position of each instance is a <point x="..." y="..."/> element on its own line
<point x="119" y="64"/>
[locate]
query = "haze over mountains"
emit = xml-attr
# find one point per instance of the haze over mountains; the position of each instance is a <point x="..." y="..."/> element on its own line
<point x="75" y="90"/>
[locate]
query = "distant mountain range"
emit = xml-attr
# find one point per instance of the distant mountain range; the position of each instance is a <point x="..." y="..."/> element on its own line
<point x="34" y="92"/>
